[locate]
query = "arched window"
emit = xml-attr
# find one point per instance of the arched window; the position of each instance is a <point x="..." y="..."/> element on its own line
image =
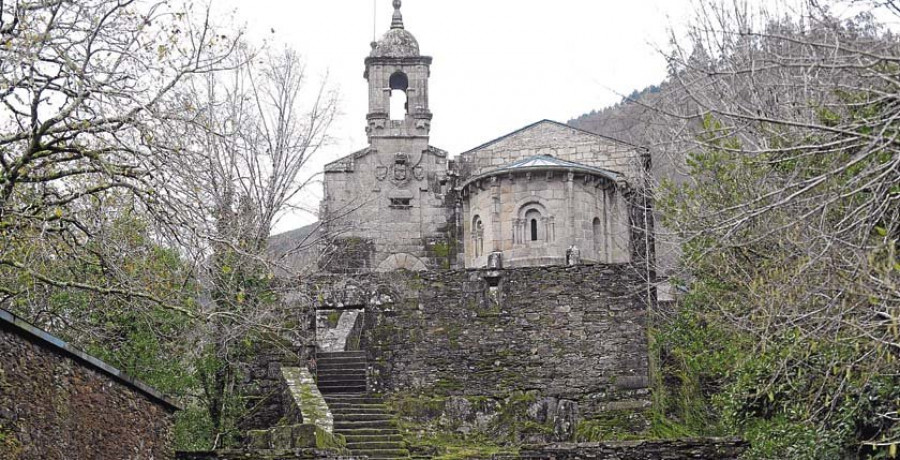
<point x="399" y="99"/>
<point x="534" y="225"/>
<point x="598" y="236"/>
<point x="477" y="236"/>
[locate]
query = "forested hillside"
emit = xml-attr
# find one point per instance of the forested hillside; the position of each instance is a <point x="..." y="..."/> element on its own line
<point x="778" y="176"/>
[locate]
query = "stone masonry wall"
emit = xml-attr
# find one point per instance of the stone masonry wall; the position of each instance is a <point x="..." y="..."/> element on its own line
<point x="575" y="333"/>
<point x="681" y="449"/>
<point x="363" y="205"/>
<point x="266" y="397"/>
<point x="53" y="406"/>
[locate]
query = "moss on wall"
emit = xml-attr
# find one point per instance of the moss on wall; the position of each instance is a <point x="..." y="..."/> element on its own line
<point x="10" y="446"/>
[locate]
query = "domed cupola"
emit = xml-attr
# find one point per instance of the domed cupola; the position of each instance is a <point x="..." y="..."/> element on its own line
<point x="397" y="42"/>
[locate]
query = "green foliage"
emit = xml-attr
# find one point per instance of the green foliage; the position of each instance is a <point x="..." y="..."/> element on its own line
<point x="137" y="336"/>
<point x="333" y="318"/>
<point x="193" y="429"/>
<point x="774" y="341"/>
<point x="612" y="426"/>
<point x="10" y="446"/>
<point x="443" y="251"/>
<point x="691" y="356"/>
<point x="326" y="440"/>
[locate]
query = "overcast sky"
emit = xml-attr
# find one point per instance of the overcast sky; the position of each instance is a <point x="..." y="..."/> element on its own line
<point x="498" y="64"/>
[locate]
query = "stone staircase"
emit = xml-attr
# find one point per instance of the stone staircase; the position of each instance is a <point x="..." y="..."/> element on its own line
<point x="363" y="419"/>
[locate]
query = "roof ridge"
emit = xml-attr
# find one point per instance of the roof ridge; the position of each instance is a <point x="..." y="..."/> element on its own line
<point x="547" y="120"/>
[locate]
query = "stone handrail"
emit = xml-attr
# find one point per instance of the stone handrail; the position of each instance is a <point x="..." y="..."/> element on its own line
<point x="306" y="395"/>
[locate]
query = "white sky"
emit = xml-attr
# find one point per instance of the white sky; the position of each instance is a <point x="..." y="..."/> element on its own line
<point x="498" y="64"/>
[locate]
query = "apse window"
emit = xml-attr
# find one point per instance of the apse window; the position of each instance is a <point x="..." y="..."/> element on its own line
<point x="534" y="226"/>
<point x="401" y="203"/>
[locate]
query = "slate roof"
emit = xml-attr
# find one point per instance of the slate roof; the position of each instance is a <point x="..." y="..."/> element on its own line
<point x="546" y="163"/>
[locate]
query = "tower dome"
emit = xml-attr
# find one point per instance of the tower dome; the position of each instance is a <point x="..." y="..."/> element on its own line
<point x="397" y="42"/>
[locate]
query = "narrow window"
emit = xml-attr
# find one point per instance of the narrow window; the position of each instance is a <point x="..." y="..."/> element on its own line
<point x="478" y="236"/>
<point x="399" y="97"/>
<point x="534" y="230"/>
<point x="598" y="234"/>
<point x="401" y="203"/>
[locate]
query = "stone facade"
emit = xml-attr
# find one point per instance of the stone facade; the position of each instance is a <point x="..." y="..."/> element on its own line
<point x="57" y="403"/>
<point x="574" y="333"/>
<point x="533" y="218"/>
<point x="385" y="207"/>
<point x="536" y="193"/>
<point x="403" y="204"/>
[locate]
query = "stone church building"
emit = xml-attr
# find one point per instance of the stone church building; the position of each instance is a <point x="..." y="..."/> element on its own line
<point x="532" y="196"/>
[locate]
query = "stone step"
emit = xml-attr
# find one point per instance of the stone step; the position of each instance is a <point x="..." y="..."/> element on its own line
<point x="341" y="360"/>
<point x="356" y="432"/>
<point x="388" y="457"/>
<point x="339" y="368"/>
<point x="340" y="354"/>
<point x="341" y="389"/>
<point x="350" y="382"/>
<point x="366" y="438"/>
<point x="342" y="380"/>
<point x="335" y="368"/>
<point x="339" y="372"/>
<point x="351" y="398"/>
<point x="378" y="445"/>
<point x="339" y="426"/>
<point x="339" y="417"/>
<point x="381" y="453"/>
<point x="355" y="374"/>
<point x="352" y="409"/>
<point x="352" y="374"/>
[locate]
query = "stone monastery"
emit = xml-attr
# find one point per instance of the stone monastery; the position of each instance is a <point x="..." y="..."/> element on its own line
<point x="530" y="197"/>
<point x="498" y="300"/>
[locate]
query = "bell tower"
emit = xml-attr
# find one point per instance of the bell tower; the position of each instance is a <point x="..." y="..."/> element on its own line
<point x="398" y="86"/>
<point x="389" y="206"/>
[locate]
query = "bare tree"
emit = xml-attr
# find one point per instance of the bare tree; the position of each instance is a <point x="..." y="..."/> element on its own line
<point x="239" y="153"/>
<point x="82" y="87"/>
<point x="788" y="123"/>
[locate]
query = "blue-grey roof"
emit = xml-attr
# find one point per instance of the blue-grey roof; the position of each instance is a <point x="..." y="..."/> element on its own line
<point x="546" y="163"/>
